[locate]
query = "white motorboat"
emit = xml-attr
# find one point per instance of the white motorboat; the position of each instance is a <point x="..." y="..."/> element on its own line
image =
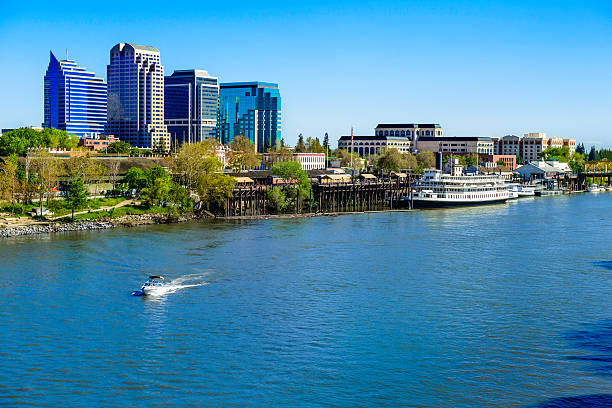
<point x="526" y="191"/>
<point x="594" y="188"/>
<point x="153" y="284"/>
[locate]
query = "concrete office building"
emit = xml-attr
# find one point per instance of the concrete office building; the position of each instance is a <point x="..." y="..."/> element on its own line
<point x="480" y="145"/>
<point x="136" y="96"/>
<point x="191" y="100"/>
<point x="367" y="146"/>
<point x="530" y="145"/>
<point x="410" y="130"/>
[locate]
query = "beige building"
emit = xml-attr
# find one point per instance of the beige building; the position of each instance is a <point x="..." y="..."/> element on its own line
<point x="308" y="161"/>
<point x="366" y="146"/>
<point x="480" y="145"/>
<point x="135" y="79"/>
<point x="531" y="145"/>
<point x="410" y="130"/>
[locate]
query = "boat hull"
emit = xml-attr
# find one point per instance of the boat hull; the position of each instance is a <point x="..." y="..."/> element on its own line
<point x="450" y="203"/>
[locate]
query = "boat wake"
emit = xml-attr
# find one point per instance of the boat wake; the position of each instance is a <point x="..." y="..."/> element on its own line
<point x="182" y="282"/>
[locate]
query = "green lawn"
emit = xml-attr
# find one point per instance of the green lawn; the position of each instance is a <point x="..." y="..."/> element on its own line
<point x="58" y="206"/>
<point x="118" y="212"/>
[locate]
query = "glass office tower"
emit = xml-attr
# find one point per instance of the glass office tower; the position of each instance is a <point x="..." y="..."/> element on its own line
<point x="136" y="96"/>
<point x="191" y="102"/>
<point x="252" y="109"/>
<point x="75" y="99"/>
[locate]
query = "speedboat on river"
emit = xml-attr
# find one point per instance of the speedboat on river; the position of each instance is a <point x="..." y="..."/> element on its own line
<point x="152" y="284"/>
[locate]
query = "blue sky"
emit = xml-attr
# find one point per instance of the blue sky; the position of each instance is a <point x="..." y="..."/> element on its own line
<point x="481" y="68"/>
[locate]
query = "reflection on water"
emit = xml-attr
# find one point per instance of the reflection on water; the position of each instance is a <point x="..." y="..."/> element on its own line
<point x="582" y="401"/>
<point x="596" y="343"/>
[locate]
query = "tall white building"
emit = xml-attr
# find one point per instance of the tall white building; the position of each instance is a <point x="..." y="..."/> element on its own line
<point x="135" y="80"/>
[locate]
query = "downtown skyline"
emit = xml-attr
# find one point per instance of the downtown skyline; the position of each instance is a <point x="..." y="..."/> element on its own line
<point x="478" y="69"/>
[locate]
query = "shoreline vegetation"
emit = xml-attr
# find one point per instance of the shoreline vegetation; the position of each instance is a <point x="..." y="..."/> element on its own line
<point x="47" y="184"/>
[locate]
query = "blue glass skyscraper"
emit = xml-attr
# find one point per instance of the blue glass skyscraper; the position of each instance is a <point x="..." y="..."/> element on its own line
<point x="191" y="99"/>
<point x="75" y="99"/>
<point x="252" y="109"/>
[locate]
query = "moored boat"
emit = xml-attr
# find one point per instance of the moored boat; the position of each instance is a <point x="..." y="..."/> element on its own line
<point x="438" y="189"/>
<point x="594" y="188"/>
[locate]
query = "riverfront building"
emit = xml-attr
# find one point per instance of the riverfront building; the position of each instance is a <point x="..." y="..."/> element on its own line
<point x="136" y="96"/>
<point x="410" y="130"/>
<point x="367" y="146"/>
<point x="74" y="99"/>
<point x="191" y="99"/>
<point x="308" y="161"/>
<point x="531" y="145"/>
<point x="252" y="109"/>
<point x="481" y="145"/>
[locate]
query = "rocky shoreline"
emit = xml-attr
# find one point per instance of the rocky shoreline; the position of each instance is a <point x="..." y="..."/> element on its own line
<point x="123" y="221"/>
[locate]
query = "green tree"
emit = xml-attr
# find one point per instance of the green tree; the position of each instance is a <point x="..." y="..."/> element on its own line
<point x="277" y="200"/>
<point x="345" y="159"/>
<point x="77" y="195"/>
<point x="426" y="159"/>
<point x="410" y="162"/>
<point x="593" y="154"/>
<point x="576" y="162"/>
<point x="135" y="179"/>
<point x="119" y="147"/>
<point x="214" y="188"/>
<point x="299" y="189"/>
<point x="46" y="170"/>
<point x="561" y="154"/>
<point x="18" y="141"/>
<point x="501" y="163"/>
<point x="314" y="146"/>
<point x="180" y="198"/>
<point x="390" y="160"/>
<point x="326" y="141"/>
<point x="9" y="180"/>
<point x="157" y="191"/>
<point x="242" y="154"/>
<point x="190" y="162"/>
<point x="300" y="147"/>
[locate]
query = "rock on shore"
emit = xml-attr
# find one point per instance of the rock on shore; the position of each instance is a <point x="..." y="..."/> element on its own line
<point x="123" y="221"/>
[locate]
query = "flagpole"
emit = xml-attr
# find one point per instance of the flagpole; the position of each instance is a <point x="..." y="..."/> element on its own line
<point x="352" y="148"/>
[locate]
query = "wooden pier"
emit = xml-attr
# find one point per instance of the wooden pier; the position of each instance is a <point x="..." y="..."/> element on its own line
<point x="382" y="194"/>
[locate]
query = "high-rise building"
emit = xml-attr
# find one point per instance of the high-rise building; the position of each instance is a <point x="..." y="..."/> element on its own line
<point x="252" y="109"/>
<point x="75" y="99"/>
<point x="191" y="101"/>
<point x="136" y="96"/>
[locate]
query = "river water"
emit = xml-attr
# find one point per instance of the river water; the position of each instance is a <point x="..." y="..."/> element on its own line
<point x="498" y="306"/>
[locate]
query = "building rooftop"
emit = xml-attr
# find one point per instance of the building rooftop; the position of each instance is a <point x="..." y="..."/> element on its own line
<point x="454" y="139"/>
<point x="144" y="48"/>
<point x="407" y="125"/>
<point x="249" y="84"/>
<point x="400" y="138"/>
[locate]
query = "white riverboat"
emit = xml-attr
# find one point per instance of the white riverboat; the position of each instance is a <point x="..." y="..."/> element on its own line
<point x="438" y="189"/>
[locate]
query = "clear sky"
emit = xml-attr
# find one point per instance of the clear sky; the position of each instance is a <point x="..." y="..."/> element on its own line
<point x="479" y="68"/>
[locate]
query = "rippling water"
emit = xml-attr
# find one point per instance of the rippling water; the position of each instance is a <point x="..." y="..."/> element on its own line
<point x="498" y="306"/>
